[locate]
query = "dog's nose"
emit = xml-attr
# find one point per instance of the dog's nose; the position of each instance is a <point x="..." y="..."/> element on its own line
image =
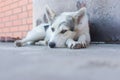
<point x="52" y="44"/>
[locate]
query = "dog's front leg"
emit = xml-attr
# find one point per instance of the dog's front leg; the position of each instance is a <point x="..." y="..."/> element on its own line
<point x="82" y="42"/>
<point x="73" y="44"/>
<point x="70" y="43"/>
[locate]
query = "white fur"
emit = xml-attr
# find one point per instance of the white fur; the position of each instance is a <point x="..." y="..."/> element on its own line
<point x="37" y="33"/>
<point x="81" y="31"/>
<point x="67" y="39"/>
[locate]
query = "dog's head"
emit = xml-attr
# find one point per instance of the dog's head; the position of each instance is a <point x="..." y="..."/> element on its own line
<point x="63" y="26"/>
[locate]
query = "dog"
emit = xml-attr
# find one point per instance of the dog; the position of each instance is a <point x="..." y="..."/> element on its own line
<point x="69" y="29"/>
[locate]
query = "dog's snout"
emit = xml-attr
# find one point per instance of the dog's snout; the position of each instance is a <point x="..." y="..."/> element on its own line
<point x="52" y="44"/>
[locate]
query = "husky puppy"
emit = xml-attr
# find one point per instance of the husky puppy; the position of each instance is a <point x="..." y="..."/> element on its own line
<point x="69" y="29"/>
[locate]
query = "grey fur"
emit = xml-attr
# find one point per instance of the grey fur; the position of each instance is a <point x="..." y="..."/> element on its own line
<point x="46" y="27"/>
<point x="69" y="23"/>
<point x="38" y="22"/>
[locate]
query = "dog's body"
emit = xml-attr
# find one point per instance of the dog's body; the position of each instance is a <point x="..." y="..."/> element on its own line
<point x="69" y="29"/>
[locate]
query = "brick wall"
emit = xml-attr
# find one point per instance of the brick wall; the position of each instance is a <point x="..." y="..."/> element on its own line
<point x="15" y="17"/>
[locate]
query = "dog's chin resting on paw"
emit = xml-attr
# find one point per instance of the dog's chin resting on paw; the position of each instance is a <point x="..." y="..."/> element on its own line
<point x="69" y="29"/>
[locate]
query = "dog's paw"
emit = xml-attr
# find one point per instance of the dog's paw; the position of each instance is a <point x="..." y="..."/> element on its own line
<point x="18" y="43"/>
<point x="78" y="45"/>
<point x="70" y="43"/>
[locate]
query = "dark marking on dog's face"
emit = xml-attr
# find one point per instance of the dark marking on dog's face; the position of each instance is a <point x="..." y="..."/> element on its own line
<point x="68" y="23"/>
<point x="53" y="29"/>
<point x="46" y="27"/>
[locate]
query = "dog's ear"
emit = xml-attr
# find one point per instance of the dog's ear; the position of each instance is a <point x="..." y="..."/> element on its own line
<point x="50" y="14"/>
<point x="45" y="20"/>
<point x="80" y="4"/>
<point x="70" y="23"/>
<point x="79" y="14"/>
<point x="38" y="22"/>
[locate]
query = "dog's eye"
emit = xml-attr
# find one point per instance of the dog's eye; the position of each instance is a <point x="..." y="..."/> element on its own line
<point x="52" y="29"/>
<point x="63" y="31"/>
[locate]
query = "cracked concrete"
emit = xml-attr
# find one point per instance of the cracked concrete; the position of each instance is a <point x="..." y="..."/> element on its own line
<point x="97" y="62"/>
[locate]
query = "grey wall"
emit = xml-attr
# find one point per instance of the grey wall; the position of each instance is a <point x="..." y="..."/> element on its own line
<point x="105" y="19"/>
<point x="104" y="16"/>
<point x="58" y="6"/>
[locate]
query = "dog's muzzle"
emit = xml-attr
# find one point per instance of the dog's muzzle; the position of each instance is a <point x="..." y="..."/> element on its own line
<point x="52" y="45"/>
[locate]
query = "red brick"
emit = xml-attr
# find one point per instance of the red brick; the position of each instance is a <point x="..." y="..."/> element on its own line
<point x="2" y="25"/>
<point x="17" y="34"/>
<point x="9" y="36"/>
<point x="17" y="22"/>
<point x="6" y="19"/>
<point x="0" y="31"/>
<point x="3" y="34"/>
<point x="29" y="6"/>
<point x="2" y="4"/>
<point x="30" y="1"/>
<point x="23" y="15"/>
<point x="15" y="0"/>
<point x="0" y="9"/>
<point x="30" y="27"/>
<point x="6" y="8"/>
<point x="24" y="8"/>
<point x="1" y="19"/>
<point x="8" y="24"/>
<point x="29" y="21"/>
<point x="24" y="21"/>
<point x="14" y="5"/>
<point x="8" y="13"/>
<point x="30" y="13"/>
<point x="14" y="29"/>
<point x="14" y="17"/>
<point x="23" y="28"/>
<point x="23" y="2"/>
<point x="8" y="2"/>
<point x="6" y="30"/>
<point x="2" y="14"/>
<point x="17" y="10"/>
<point x="24" y="34"/>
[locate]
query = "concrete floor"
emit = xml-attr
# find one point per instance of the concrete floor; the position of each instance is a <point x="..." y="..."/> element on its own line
<point x="97" y="62"/>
